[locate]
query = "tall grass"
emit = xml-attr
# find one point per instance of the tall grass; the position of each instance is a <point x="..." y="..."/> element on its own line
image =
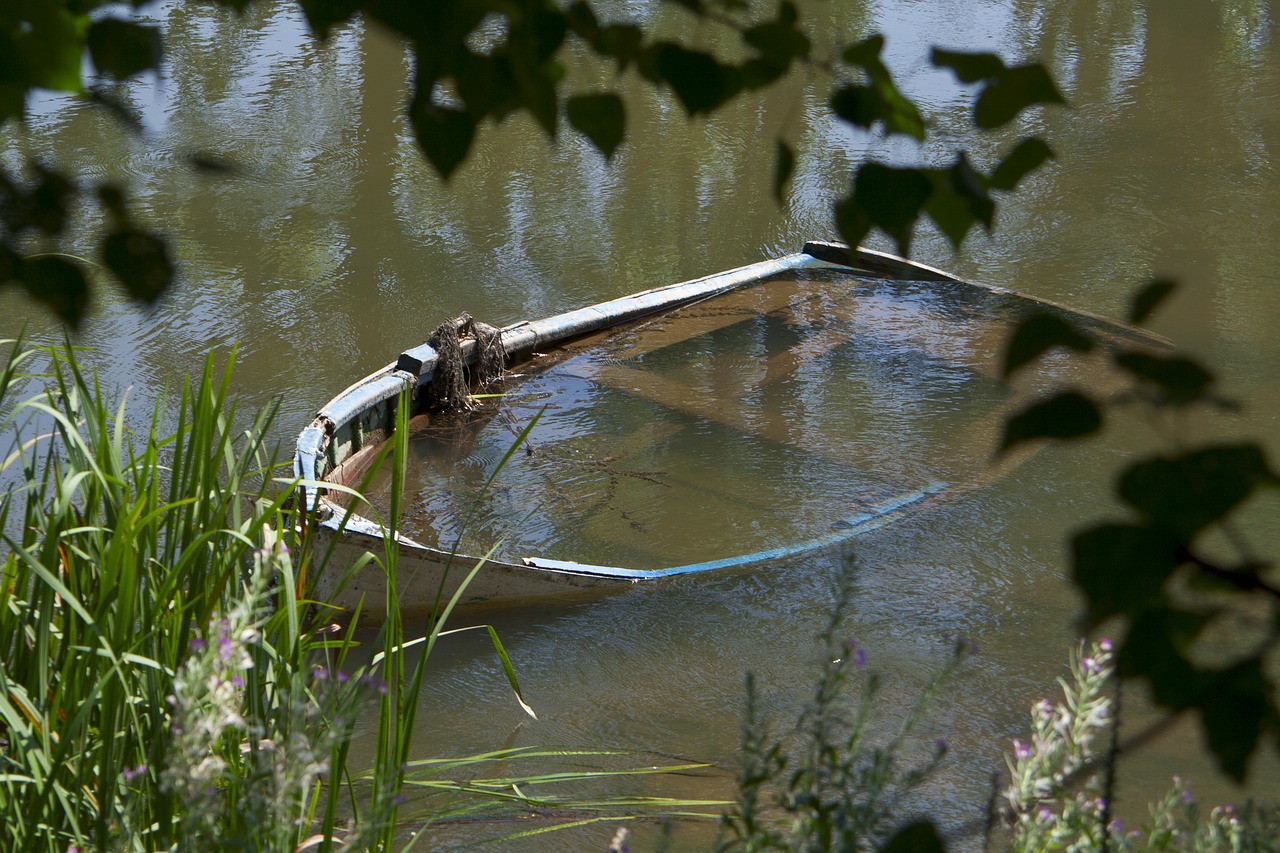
<point x="153" y="677"/>
<point x="166" y="680"/>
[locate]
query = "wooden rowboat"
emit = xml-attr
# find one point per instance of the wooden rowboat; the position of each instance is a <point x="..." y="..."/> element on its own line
<point x="757" y="357"/>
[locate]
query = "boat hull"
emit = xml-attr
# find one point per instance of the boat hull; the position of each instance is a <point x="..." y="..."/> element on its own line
<point x="361" y="568"/>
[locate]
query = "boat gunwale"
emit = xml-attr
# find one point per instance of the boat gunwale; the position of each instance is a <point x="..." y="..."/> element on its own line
<point x="352" y="424"/>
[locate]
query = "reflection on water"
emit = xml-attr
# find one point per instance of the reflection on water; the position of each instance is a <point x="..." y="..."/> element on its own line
<point x="333" y="248"/>
<point x="750" y="422"/>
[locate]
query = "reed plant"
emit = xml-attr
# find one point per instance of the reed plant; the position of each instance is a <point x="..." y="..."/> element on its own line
<point x="156" y="690"/>
<point x="167" y="681"/>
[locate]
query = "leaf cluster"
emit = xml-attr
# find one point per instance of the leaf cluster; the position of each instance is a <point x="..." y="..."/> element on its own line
<point x="44" y="45"/>
<point x="460" y="84"/>
<point x="1158" y="572"/>
<point x="955" y="197"/>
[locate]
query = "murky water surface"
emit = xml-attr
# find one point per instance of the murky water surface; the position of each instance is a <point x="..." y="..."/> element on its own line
<point x="333" y="247"/>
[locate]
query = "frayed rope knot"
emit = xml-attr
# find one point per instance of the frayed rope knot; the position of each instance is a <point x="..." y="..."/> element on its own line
<point x="450" y="383"/>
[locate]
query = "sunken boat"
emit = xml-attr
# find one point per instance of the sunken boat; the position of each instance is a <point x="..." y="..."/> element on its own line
<point x="844" y="390"/>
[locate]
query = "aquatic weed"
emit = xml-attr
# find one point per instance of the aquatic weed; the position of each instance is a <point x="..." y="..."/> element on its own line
<point x="829" y="784"/>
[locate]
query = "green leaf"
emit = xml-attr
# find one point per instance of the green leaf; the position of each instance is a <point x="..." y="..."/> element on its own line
<point x="45" y="208"/>
<point x="1180" y="379"/>
<point x="601" y="118"/>
<point x="323" y="15"/>
<point x="140" y="260"/>
<point x="892" y="198"/>
<point x="122" y="48"/>
<point x="1236" y="712"/>
<point x="582" y="20"/>
<point x="858" y="105"/>
<point x="1068" y="415"/>
<point x="783" y="169"/>
<point x="1155" y="649"/>
<point x="1149" y="298"/>
<point x="865" y="52"/>
<point x="536" y="81"/>
<point x="1038" y="334"/>
<point x="510" y="671"/>
<point x="1026" y="157"/>
<point x="1185" y="493"/>
<point x="1011" y="92"/>
<point x="444" y="134"/>
<point x="918" y="837"/>
<point x="958" y="201"/>
<point x="528" y="56"/>
<point x="698" y="80"/>
<point x="852" y="221"/>
<point x="58" y="283"/>
<point x="779" y="41"/>
<point x="968" y="67"/>
<point x="46" y="51"/>
<point x="620" y="41"/>
<point x="112" y="199"/>
<point x="488" y="86"/>
<point x="12" y="99"/>
<point x="1122" y="568"/>
<point x="879" y="100"/>
<point x="863" y="106"/>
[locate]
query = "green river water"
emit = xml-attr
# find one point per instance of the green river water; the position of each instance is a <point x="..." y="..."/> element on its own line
<point x="335" y="247"/>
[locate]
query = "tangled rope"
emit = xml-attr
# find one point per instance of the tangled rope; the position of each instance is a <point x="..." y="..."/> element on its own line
<point x="450" y="383"/>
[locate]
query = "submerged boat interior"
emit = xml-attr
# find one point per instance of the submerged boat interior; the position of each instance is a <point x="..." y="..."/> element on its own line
<point x="735" y="420"/>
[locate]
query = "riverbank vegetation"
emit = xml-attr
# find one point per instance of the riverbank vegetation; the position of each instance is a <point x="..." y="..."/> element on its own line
<point x="168" y="683"/>
<point x="160" y="683"/>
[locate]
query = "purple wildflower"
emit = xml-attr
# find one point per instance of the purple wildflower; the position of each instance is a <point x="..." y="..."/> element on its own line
<point x="860" y="657"/>
<point x="1021" y="751"/>
<point x="1105" y="644"/>
<point x="197" y="645"/>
